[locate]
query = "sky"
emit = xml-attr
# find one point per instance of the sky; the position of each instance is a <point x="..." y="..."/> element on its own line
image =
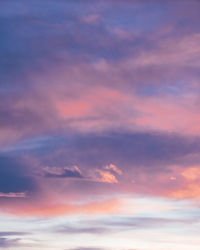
<point x="99" y="124"/>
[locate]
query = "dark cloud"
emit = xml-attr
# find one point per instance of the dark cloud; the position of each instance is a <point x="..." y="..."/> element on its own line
<point x="82" y="230"/>
<point x="4" y="234"/>
<point x="123" y="149"/>
<point x="7" y="243"/>
<point x="65" y="173"/>
<point x="14" y="177"/>
<point x="30" y="37"/>
<point x="17" y="118"/>
<point x="87" y="248"/>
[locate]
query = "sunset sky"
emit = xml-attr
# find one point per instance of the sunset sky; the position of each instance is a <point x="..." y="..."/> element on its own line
<point x="100" y="124"/>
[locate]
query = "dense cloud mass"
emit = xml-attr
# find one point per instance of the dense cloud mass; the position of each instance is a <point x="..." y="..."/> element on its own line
<point x="13" y="177"/>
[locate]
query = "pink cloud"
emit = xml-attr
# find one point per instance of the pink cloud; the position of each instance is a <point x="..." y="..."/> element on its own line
<point x="85" y="106"/>
<point x="102" y="95"/>
<point x="190" y="186"/>
<point x="49" y="209"/>
<point x="91" y="19"/>
<point x="113" y="168"/>
<point x="71" y="196"/>
<point x="104" y="176"/>
<point x="13" y="195"/>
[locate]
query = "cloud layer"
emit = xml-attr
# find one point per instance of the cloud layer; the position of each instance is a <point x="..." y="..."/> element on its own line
<point x="99" y="105"/>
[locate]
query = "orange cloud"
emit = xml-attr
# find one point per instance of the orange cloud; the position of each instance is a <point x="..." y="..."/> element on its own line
<point x="114" y="168"/>
<point x="51" y="210"/>
<point x="191" y="174"/>
<point x="189" y="187"/>
<point x="104" y="176"/>
<point x="190" y="190"/>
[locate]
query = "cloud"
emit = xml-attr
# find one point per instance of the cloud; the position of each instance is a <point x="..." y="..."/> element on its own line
<point x="107" y="175"/>
<point x="48" y="208"/>
<point x="82" y="230"/>
<point x="10" y="233"/>
<point x="189" y="186"/>
<point x="7" y="243"/>
<point x="103" y="176"/>
<point x="87" y="248"/>
<point x="10" y="239"/>
<point x="126" y="150"/>
<point x="14" y="178"/>
<point x="73" y="172"/>
<point x="132" y="164"/>
<point x="113" y="168"/>
<point x="63" y="67"/>
<point x="122" y="104"/>
<point x="135" y="223"/>
<point x="91" y="19"/>
<point x="120" y="223"/>
<point x="13" y="195"/>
